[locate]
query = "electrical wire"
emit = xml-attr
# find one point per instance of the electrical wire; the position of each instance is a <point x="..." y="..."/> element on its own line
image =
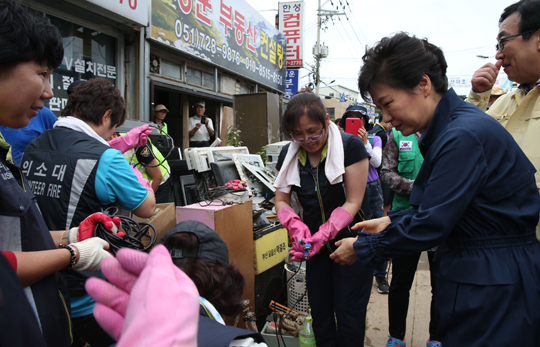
<point x="134" y="233"/>
<point x="210" y="197"/>
<point x="279" y="327"/>
<point x="135" y="149"/>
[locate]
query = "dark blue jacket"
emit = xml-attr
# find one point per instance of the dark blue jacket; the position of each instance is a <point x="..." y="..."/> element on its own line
<point x="476" y="198"/>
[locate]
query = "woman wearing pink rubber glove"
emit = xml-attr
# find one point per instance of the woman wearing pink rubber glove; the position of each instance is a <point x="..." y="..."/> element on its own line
<point x="150" y="301"/>
<point x="327" y="170"/>
<point x="136" y="137"/>
<point x="298" y="231"/>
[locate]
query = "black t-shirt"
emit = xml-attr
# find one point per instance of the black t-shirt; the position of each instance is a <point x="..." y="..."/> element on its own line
<point x="316" y="189"/>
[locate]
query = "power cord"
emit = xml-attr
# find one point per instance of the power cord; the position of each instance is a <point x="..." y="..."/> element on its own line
<point x="280" y="325"/>
<point x="133" y="233"/>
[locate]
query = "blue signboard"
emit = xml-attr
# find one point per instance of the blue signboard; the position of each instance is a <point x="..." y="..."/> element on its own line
<point x="291" y="83"/>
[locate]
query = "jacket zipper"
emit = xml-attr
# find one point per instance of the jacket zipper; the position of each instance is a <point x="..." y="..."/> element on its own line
<point x="67" y="313"/>
<point x="318" y="190"/>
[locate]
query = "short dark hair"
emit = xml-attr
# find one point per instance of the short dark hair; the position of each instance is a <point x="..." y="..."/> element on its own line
<point x="222" y="285"/>
<point x="91" y="99"/>
<point x="303" y="103"/>
<point x="400" y="61"/>
<point x="530" y="16"/>
<point x="26" y="37"/>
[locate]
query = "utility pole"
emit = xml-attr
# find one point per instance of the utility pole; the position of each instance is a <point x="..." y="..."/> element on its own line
<point x="321" y="51"/>
<point x="317" y="52"/>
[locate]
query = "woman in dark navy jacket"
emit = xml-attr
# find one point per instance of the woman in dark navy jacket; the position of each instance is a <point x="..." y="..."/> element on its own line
<point x="475" y="196"/>
<point x="327" y="171"/>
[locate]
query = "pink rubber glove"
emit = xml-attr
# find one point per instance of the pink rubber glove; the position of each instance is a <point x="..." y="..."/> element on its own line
<point x="149" y="302"/>
<point x="145" y="183"/>
<point x="338" y="220"/>
<point x="136" y="137"/>
<point x="297" y="229"/>
<point x="85" y="230"/>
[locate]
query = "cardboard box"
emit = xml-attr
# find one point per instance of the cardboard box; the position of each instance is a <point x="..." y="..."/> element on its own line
<point x="234" y="224"/>
<point x="270" y="247"/>
<point x="163" y="220"/>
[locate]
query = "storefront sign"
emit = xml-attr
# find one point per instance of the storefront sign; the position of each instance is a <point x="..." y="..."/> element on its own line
<point x="135" y="10"/>
<point x="228" y="33"/>
<point x="87" y="54"/>
<point x="291" y="83"/>
<point x="291" y="24"/>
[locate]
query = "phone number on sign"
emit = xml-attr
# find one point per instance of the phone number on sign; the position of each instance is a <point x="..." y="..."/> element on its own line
<point x="232" y="55"/>
<point x="200" y="40"/>
<point x="194" y="37"/>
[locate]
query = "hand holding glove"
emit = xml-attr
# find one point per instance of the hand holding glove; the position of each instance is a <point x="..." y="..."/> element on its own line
<point x="91" y="254"/>
<point x="145" y="183"/>
<point x="338" y="220"/>
<point x="149" y="302"/>
<point x="136" y="137"/>
<point x="85" y="230"/>
<point x="297" y="231"/>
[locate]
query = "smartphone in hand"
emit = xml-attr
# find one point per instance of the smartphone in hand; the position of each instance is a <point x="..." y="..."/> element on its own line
<point x="352" y="125"/>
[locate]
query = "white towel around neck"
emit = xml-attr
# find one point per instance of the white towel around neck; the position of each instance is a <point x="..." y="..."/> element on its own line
<point x="334" y="169"/>
<point x="79" y="125"/>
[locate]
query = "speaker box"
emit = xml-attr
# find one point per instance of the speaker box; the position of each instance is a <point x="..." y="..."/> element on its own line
<point x="269" y="285"/>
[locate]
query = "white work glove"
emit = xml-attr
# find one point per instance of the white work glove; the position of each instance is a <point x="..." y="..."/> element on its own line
<point x="91" y="253"/>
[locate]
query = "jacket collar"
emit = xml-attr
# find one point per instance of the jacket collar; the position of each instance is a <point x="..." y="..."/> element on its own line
<point x="302" y="154"/>
<point x="441" y="118"/>
<point x="6" y="149"/>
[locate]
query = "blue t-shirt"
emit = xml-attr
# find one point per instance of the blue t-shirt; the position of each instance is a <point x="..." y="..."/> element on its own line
<point x="116" y="182"/>
<point x="20" y="138"/>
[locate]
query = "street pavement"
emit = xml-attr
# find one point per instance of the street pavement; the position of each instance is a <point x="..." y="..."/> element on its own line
<point x="417" y="317"/>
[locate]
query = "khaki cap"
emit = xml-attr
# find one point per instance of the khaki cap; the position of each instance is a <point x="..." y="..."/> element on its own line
<point x="161" y="107"/>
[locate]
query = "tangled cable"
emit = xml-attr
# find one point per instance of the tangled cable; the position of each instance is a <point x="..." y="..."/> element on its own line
<point x="213" y="196"/>
<point x="130" y="234"/>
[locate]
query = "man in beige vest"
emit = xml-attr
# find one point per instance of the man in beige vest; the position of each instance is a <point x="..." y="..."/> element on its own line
<point x="518" y="53"/>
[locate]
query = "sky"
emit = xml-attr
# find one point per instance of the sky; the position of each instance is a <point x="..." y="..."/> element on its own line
<point x="462" y="28"/>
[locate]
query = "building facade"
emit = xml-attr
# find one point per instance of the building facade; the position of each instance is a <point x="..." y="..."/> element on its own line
<point x="167" y="52"/>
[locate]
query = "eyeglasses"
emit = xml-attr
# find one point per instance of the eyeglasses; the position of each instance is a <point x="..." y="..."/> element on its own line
<point x="309" y="139"/>
<point x="499" y="47"/>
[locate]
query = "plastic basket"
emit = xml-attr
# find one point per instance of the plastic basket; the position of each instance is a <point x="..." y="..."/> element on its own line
<point x="296" y="287"/>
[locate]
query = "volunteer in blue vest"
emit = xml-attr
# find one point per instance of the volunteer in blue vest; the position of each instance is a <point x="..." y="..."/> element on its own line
<point x="327" y="170"/>
<point x="475" y="197"/>
<point x="200" y="127"/>
<point x="85" y="175"/>
<point x="160" y="112"/>
<point x="30" y="48"/>
<point x="401" y="163"/>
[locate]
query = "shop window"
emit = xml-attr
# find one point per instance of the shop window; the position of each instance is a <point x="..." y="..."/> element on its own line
<point x="170" y="69"/>
<point x="87" y="54"/>
<point x="209" y="80"/>
<point x="194" y="76"/>
<point x="200" y="78"/>
<point x="245" y="89"/>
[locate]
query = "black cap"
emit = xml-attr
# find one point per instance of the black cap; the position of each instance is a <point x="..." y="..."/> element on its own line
<point x="211" y="246"/>
<point x="73" y="85"/>
<point x="356" y="107"/>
